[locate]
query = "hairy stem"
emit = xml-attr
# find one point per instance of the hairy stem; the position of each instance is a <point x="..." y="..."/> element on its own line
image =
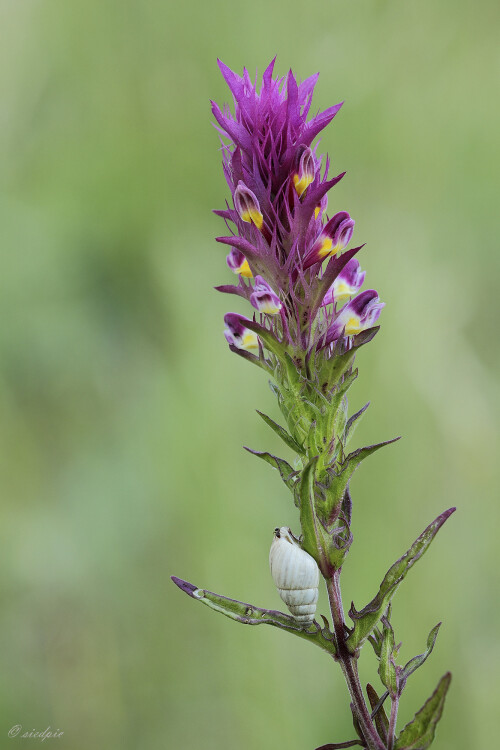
<point x="349" y="667"/>
<point x="392" y="722"/>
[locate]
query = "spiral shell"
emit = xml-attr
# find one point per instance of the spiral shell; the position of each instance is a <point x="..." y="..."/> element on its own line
<point x="295" y="574"/>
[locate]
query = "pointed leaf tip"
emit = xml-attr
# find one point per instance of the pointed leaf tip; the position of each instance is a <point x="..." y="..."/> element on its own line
<point x="419" y="733"/>
<point x="188" y="588"/>
<point x="366" y="619"/>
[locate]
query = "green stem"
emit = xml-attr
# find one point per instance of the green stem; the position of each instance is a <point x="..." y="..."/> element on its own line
<point x="349" y="667"/>
<point x="392" y="722"/>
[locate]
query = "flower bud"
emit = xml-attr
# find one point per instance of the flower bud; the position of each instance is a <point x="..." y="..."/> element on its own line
<point x="247" y="205"/>
<point x="237" y="335"/>
<point x="307" y="170"/>
<point x="238" y="263"/>
<point x="264" y="299"/>
<point x="360" y="313"/>
<point x="335" y="236"/>
<point x="346" y="285"/>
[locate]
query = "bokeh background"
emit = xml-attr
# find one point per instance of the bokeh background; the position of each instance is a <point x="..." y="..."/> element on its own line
<point x="123" y="413"/>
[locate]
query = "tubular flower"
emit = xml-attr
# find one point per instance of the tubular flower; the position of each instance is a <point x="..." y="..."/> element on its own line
<point x="335" y="236"/>
<point x="238" y="263"/>
<point x="238" y="335"/>
<point x="346" y="285"/>
<point x="307" y="171"/>
<point x="359" y="314"/>
<point x="264" y="299"/>
<point x="247" y="205"/>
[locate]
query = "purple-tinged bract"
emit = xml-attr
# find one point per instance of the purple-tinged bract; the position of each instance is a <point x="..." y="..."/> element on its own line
<point x="290" y="257"/>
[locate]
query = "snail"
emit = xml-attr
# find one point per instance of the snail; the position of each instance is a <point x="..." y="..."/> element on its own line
<point x="296" y="575"/>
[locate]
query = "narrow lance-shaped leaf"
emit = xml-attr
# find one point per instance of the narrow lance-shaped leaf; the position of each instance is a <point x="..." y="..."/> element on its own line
<point x="248" y="614"/>
<point x="353" y="421"/>
<point x="410" y="666"/>
<point x="287" y="473"/>
<point x="283" y="434"/>
<point x="367" y="618"/>
<point x="386" y="667"/>
<point x="381" y="720"/>
<point x="419" y="733"/>
<point x="339" y="483"/>
<point x="316" y="541"/>
<point x="417" y="661"/>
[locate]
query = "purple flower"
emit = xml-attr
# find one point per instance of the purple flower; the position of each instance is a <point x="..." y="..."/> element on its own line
<point x="334" y="237"/>
<point x="247" y="205"/>
<point x="264" y="299"/>
<point x="238" y="263"/>
<point x="306" y="172"/>
<point x="238" y="335"/>
<point x="346" y="285"/>
<point x="359" y="314"/>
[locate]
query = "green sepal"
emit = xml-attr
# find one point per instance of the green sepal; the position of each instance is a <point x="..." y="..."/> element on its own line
<point x="367" y="618"/>
<point x="287" y="473"/>
<point x="378" y="714"/>
<point x="387" y="667"/>
<point x="282" y="433"/>
<point x="248" y="614"/>
<point x="330" y="371"/>
<point x="419" y="733"/>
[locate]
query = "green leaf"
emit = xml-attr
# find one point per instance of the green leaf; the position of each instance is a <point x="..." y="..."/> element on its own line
<point x="287" y="473"/>
<point x="338" y="483"/>
<point x="380" y="716"/>
<point x="375" y="639"/>
<point x="367" y="618"/>
<point x="386" y="667"/>
<point x="419" y="733"/>
<point x="417" y="661"/>
<point x="259" y="361"/>
<point x="316" y="540"/>
<point x="352" y="423"/>
<point x="247" y="614"/>
<point x="283" y="434"/>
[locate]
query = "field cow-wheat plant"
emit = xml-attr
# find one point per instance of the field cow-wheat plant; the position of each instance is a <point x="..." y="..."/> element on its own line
<point x="297" y="267"/>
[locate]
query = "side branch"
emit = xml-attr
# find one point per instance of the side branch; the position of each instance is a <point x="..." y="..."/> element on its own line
<point x="248" y="614"/>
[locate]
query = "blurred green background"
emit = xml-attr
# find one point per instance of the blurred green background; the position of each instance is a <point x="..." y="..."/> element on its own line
<point x="123" y="412"/>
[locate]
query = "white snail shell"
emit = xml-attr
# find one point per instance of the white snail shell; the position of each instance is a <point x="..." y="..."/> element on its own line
<point x="296" y="575"/>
